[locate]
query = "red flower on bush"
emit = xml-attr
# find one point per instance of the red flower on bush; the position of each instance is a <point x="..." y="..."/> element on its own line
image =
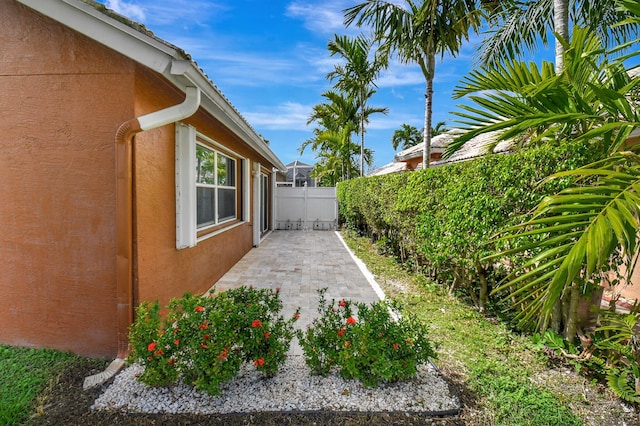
<point x="151" y="347"/>
<point x="259" y="362"/>
<point x="267" y="334"/>
<point x="341" y="331"/>
<point x="342" y="303"/>
<point x="159" y="352"/>
<point x="172" y="361"/>
<point x="296" y="316"/>
<point x="395" y="346"/>
<point x="199" y="309"/>
<point x="176" y="342"/>
<point x="223" y="355"/>
<point x="206" y="337"/>
<point x="203" y="346"/>
<point x="351" y="320"/>
<point x="204" y="325"/>
<point x="256" y="323"/>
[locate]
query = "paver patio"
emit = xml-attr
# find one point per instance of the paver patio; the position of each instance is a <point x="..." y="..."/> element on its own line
<point x="300" y="263"/>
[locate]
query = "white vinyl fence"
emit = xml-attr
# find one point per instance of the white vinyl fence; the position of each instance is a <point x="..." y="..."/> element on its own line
<point x="303" y="209"/>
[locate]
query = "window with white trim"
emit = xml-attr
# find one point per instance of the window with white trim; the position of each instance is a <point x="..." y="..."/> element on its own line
<point x="212" y="187"/>
<point x="216" y="189"/>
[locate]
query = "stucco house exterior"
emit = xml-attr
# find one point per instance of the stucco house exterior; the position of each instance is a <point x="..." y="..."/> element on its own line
<point x="125" y="175"/>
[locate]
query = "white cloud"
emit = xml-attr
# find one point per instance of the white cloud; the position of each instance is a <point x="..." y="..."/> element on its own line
<point x="400" y="76"/>
<point x="127" y="9"/>
<point x="286" y="116"/>
<point x="324" y="17"/>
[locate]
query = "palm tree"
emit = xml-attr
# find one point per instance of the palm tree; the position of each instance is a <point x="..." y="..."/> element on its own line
<point x="405" y="137"/>
<point x="440" y="128"/>
<point x="356" y="76"/>
<point x="591" y="227"/>
<point x="338" y="120"/>
<point x="521" y="24"/>
<point x="416" y="31"/>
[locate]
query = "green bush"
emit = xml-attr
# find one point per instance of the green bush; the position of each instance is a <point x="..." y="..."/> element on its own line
<point x="440" y="220"/>
<point x="205" y="340"/>
<point x="367" y="343"/>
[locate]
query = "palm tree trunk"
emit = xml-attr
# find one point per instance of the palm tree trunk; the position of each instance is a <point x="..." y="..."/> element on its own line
<point x="572" y="321"/>
<point x="362" y="146"/>
<point x="426" y="132"/>
<point x="561" y="27"/>
<point x="428" y="112"/>
<point x="362" y="104"/>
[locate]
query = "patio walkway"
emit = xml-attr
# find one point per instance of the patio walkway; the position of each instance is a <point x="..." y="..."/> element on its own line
<point x="300" y="263"/>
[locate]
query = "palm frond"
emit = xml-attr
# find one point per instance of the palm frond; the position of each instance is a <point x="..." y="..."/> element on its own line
<point x="575" y="233"/>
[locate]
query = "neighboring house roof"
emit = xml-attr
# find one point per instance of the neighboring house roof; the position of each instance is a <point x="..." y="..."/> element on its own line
<point x="474" y="148"/>
<point x="438" y="145"/>
<point x="299" y="164"/>
<point x="394" y="167"/>
<point x="134" y="41"/>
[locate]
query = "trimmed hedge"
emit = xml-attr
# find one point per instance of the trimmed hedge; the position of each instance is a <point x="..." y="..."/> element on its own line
<point x="440" y="220"/>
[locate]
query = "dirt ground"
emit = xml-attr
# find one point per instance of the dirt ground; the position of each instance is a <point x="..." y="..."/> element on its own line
<point x="65" y="403"/>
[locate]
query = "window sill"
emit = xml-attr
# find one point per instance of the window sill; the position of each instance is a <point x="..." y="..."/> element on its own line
<point x="217" y="230"/>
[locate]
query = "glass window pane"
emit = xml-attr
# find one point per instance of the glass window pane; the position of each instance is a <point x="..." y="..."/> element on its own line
<point x="226" y="204"/>
<point x="226" y="171"/>
<point x="204" y="166"/>
<point x="206" y="206"/>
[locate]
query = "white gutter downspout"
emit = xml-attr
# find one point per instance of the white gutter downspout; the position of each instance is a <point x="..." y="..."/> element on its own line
<point x="124" y="219"/>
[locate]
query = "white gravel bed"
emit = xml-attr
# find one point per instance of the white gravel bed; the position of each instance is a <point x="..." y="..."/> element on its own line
<point x="292" y="389"/>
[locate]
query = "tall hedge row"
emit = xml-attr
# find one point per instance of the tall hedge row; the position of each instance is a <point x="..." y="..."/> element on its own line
<point x="440" y="220"/>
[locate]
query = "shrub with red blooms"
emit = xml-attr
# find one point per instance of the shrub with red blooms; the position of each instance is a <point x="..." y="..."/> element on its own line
<point x="204" y="340"/>
<point x="377" y="346"/>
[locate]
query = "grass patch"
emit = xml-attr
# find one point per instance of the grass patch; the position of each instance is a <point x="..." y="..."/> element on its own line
<point x="25" y="374"/>
<point x="495" y="363"/>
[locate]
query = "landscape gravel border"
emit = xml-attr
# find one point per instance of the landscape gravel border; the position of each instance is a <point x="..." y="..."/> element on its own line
<point x="293" y="390"/>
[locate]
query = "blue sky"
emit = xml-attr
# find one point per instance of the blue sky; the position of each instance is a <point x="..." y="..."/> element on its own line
<point x="269" y="58"/>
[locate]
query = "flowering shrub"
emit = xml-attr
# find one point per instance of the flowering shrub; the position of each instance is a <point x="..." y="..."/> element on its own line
<point x="205" y="340"/>
<point x="370" y="346"/>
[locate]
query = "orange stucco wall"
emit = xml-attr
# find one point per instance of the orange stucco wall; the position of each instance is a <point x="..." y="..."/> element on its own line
<point x="61" y="97"/>
<point x="162" y="271"/>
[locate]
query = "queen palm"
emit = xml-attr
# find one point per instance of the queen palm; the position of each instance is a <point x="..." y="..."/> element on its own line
<point x="405" y="137"/>
<point x="356" y="76"/>
<point x="332" y="142"/>
<point x="521" y="24"/>
<point x="416" y="31"/>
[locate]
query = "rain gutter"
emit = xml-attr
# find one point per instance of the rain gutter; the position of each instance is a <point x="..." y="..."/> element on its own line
<point x="124" y="218"/>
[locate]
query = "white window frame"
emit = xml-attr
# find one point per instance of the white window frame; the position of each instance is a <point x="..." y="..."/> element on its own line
<point x="187" y="229"/>
<point x="216" y="187"/>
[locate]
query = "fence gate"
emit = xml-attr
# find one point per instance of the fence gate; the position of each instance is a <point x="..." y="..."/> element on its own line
<point x="302" y="209"/>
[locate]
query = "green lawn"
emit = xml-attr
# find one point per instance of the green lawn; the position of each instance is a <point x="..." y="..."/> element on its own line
<point x="493" y="362"/>
<point x="25" y="373"/>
